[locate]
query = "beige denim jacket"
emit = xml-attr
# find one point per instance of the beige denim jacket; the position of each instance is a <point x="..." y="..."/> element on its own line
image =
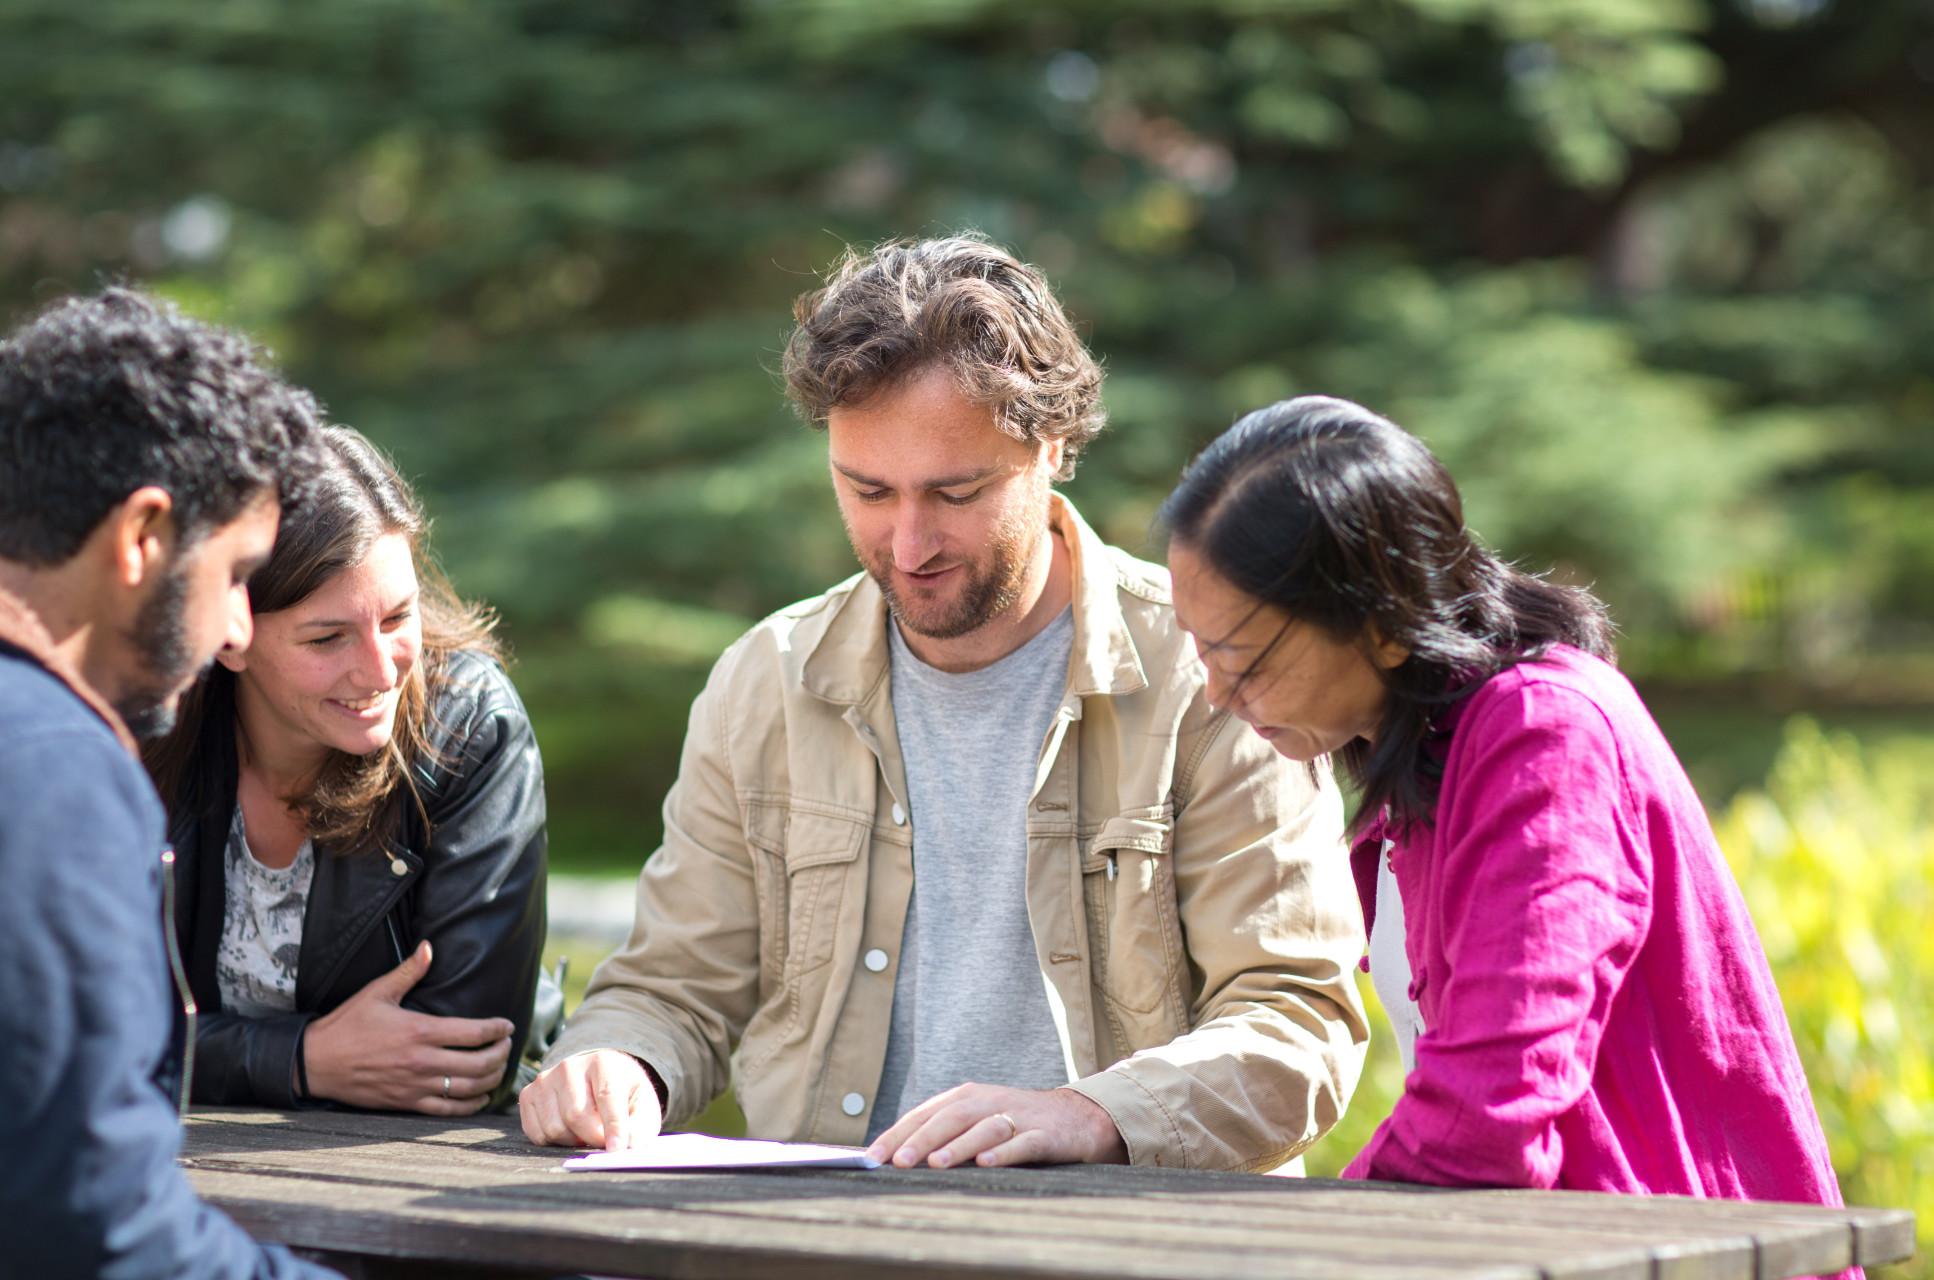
<point x="1191" y="900"/>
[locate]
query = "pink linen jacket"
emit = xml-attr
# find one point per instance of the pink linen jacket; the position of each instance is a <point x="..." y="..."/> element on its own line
<point x="1600" y="1013"/>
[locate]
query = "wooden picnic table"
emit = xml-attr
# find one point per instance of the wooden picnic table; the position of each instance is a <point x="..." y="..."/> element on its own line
<point x="406" y="1195"/>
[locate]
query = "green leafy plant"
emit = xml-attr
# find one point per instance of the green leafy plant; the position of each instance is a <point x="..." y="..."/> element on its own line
<point x="1836" y="859"/>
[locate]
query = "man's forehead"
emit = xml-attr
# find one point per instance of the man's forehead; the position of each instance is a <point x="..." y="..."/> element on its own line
<point x="915" y="453"/>
<point x="264" y="511"/>
<point x="252" y="532"/>
<point x="925" y="414"/>
<point x="944" y="477"/>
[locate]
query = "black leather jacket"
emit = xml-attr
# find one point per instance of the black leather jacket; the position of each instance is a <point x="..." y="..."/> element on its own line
<point x="472" y="883"/>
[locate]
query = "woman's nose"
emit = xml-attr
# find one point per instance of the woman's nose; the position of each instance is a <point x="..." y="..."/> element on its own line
<point x="380" y="663"/>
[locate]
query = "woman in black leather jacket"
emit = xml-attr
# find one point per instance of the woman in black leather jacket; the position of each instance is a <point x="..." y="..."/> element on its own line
<point x="358" y="807"/>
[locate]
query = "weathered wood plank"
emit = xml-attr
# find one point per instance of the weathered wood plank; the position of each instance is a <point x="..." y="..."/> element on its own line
<point x="1880" y="1237"/>
<point x="474" y="1192"/>
<point x="1448" y="1220"/>
<point x="669" y="1246"/>
<point x="1276" y="1227"/>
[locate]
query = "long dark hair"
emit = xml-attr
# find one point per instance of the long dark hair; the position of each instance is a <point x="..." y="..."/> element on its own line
<point x="1344" y="520"/>
<point x="356" y="803"/>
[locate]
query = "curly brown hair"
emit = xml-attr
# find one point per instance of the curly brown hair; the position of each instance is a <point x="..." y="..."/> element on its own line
<point x="960" y="303"/>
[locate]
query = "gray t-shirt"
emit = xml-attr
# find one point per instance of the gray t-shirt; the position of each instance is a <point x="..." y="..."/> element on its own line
<point x="969" y="1001"/>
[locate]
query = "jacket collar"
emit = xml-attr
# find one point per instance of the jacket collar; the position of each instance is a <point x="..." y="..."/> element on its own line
<point x="21" y="628"/>
<point x="850" y="659"/>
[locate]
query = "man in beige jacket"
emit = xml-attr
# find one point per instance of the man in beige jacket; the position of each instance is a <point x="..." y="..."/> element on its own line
<point x="959" y="856"/>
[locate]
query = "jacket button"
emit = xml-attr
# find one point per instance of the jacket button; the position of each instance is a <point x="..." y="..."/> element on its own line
<point x="899" y="815"/>
<point x="875" y="959"/>
<point x="399" y="867"/>
<point x="852" y="1104"/>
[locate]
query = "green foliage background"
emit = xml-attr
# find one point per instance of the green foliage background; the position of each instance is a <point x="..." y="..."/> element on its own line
<point x="1656" y="277"/>
<point x="1836" y="857"/>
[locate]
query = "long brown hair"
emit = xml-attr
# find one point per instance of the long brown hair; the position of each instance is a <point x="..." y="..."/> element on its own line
<point x="355" y="804"/>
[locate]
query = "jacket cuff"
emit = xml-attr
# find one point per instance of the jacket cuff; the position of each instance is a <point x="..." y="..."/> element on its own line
<point x="1147" y="1131"/>
<point x="1141" y="1095"/>
<point x="657" y="1084"/>
<point x="273" y="1046"/>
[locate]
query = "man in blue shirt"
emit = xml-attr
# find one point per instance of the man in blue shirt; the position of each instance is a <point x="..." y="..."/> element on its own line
<point x="144" y="463"/>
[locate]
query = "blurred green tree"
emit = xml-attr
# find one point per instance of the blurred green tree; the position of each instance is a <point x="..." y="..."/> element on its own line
<point x="1655" y="276"/>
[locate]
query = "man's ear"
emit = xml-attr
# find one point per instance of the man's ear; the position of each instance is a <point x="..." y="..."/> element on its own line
<point x="1052" y="451"/>
<point x="141" y="535"/>
<point x="235" y="660"/>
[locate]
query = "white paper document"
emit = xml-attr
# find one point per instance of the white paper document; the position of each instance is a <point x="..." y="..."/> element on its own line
<point x="703" y="1151"/>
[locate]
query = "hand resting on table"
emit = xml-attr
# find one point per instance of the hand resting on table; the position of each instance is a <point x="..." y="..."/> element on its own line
<point x="994" y="1125"/>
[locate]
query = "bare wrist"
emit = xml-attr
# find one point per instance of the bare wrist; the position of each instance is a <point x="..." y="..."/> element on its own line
<point x="1102" y="1139"/>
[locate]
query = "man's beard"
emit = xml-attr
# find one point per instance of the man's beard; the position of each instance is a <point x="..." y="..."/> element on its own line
<point x="991" y="587"/>
<point x="167" y="664"/>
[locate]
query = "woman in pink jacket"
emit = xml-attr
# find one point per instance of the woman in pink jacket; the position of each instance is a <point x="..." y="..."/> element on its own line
<point x="1586" y="1001"/>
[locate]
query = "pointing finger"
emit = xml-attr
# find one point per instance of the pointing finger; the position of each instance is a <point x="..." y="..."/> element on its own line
<point x="614" y="1111"/>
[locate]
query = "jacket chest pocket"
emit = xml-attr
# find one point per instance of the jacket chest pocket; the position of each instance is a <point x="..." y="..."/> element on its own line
<point x="805" y="861"/>
<point x="1128" y="880"/>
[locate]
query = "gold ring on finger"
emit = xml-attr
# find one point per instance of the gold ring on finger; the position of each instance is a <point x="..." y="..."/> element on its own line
<point x="1012" y="1128"/>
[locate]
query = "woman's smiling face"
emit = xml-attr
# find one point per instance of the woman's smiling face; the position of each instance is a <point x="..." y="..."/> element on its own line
<point x="1303" y="690"/>
<point x="327" y="672"/>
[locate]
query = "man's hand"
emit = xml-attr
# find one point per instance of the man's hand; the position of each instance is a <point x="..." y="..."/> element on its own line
<point x="993" y="1125"/>
<point x="370" y="1051"/>
<point x="600" y="1098"/>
